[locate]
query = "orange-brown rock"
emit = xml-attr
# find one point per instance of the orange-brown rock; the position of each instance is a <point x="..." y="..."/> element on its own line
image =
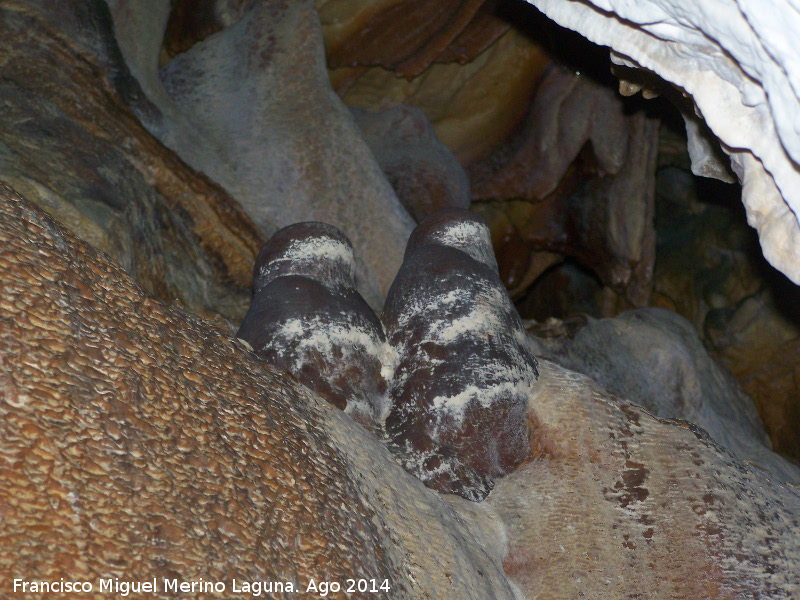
<point x="487" y="25"/>
<point x="472" y="107"/>
<point x="759" y="341"/>
<point x="421" y="33"/>
<point x="73" y="147"/>
<point x="138" y="443"/>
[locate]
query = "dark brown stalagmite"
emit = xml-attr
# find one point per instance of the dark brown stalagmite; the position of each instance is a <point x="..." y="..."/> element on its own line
<point x="308" y="319"/>
<point x="460" y="389"/>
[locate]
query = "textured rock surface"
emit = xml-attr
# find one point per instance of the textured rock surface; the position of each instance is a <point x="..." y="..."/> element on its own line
<point x="620" y="504"/>
<point x="711" y="271"/>
<point x="472" y="107"/>
<point x="654" y="357"/>
<point x="737" y="62"/>
<point x="138" y="440"/>
<point x="424" y="174"/>
<point x="252" y="107"/>
<point x="759" y="341"/>
<point x="708" y="257"/>
<point x="70" y="144"/>
<point x="138" y="443"/>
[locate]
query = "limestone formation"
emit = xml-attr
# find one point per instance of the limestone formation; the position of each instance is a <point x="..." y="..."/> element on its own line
<point x="710" y="270"/>
<point x="737" y="63"/>
<point x="252" y="107"/>
<point x="138" y="442"/>
<point x="576" y="180"/>
<point x="472" y="107"/>
<point x="423" y="172"/>
<point x="426" y="32"/>
<point x="621" y="504"/>
<point x="307" y="318"/>
<point x="655" y="358"/>
<point x="71" y="145"/>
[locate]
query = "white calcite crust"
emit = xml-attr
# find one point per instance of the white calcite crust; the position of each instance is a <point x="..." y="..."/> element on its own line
<point x="304" y="257"/>
<point x="469" y="237"/>
<point x="737" y="59"/>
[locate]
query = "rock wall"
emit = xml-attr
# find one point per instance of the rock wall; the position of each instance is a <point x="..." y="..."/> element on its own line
<point x="72" y="146"/>
<point x="253" y="108"/>
<point x="139" y="440"/>
<point x="620" y="504"/>
<point x="681" y="382"/>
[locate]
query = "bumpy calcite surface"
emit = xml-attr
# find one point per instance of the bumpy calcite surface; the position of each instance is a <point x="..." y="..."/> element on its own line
<point x="620" y="504"/>
<point x="737" y="59"/>
<point x="137" y="442"/>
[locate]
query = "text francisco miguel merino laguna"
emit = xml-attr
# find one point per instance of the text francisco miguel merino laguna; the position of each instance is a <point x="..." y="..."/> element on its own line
<point x="254" y="588"/>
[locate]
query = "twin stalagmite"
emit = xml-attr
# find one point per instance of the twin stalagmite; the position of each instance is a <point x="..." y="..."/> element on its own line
<point x="444" y="374"/>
